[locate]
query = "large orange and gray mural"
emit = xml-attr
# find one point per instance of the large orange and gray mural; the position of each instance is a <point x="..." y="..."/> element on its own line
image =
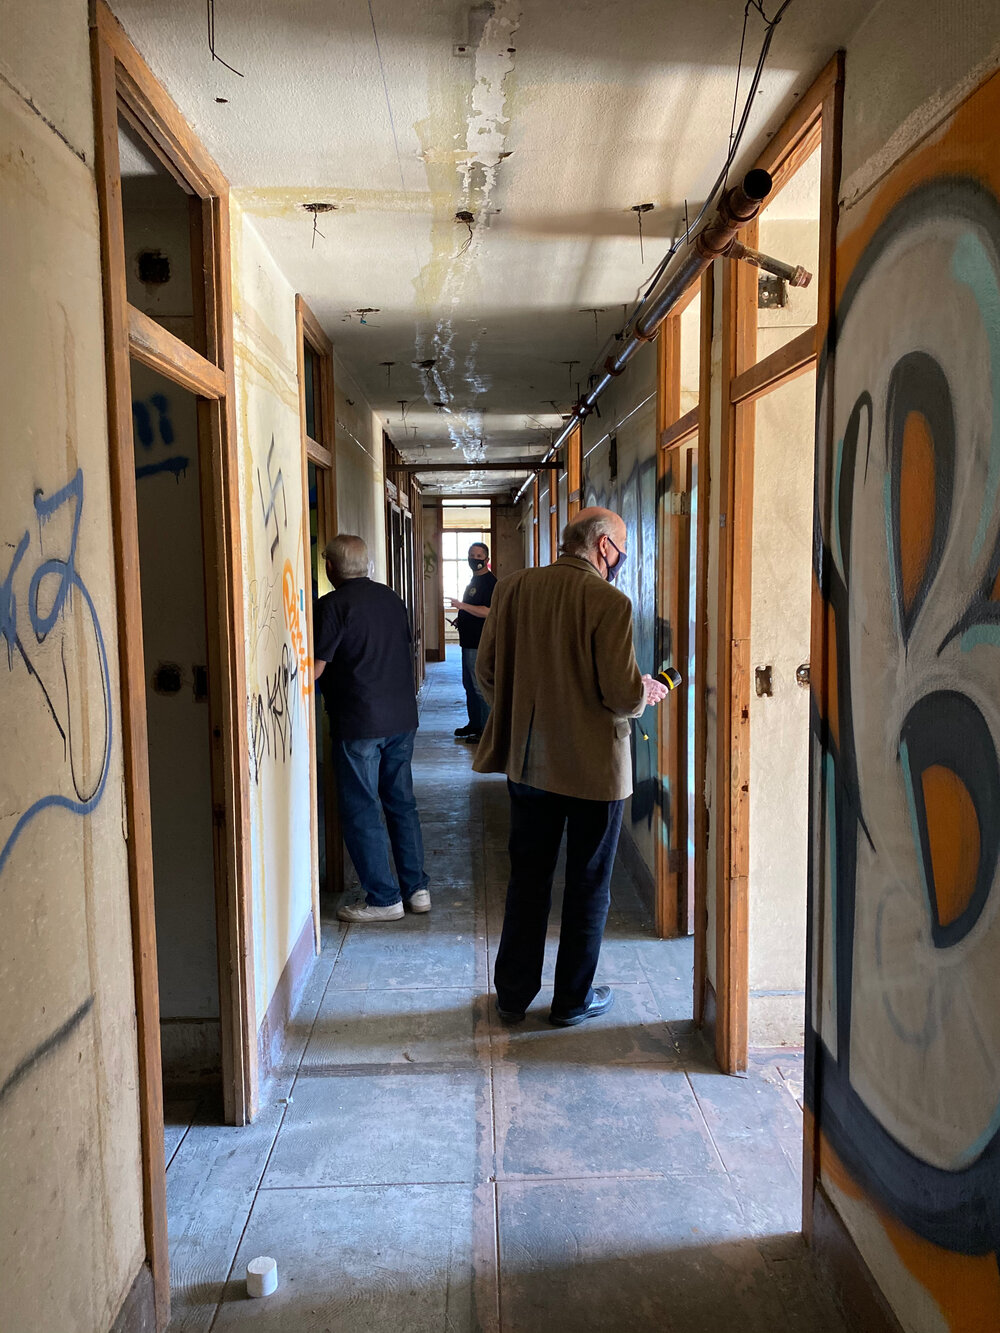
<point x="904" y="1042"/>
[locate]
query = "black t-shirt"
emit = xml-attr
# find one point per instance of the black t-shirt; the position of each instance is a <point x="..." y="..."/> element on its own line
<point x="362" y="632"/>
<point x="478" y="593"/>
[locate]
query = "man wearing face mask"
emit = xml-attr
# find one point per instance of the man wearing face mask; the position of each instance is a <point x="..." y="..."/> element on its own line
<point x="557" y="666"/>
<point x="472" y="612"/>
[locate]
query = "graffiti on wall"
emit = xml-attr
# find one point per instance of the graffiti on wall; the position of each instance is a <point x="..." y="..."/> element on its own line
<point x="272" y="713"/>
<point x="291" y="596"/>
<point x="279" y="661"/>
<point x="269" y="507"/>
<point x="48" y="621"/>
<point x="153" y="430"/>
<point x="905" y="897"/>
<point x="635" y="500"/>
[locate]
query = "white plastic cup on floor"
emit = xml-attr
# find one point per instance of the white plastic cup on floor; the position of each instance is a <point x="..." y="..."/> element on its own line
<point x="262" y="1276"/>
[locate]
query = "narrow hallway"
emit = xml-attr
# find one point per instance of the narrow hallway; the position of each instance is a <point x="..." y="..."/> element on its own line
<point x="416" y="1165"/>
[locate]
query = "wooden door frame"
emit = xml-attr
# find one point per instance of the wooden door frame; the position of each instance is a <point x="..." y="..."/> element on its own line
<point x="673" y="431"/>
<point x="815" y="122"/>
<point x="123" y="83"/>
<point x="536" y="532"/>
<point x="322" y="453"/>
<point x="574" y="474"/>
<point x="439" y="528"/>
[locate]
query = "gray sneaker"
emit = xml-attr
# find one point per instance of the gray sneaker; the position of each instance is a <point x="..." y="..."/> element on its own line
<point x="366" y="912"/>
<point x="419" y="901"/>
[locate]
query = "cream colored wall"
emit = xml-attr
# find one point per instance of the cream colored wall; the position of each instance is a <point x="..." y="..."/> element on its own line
<point x="780" y="607"/>
<point x="71" y="1237"/>
<point x="360" y="476"/>
<point x="274" y="531"/>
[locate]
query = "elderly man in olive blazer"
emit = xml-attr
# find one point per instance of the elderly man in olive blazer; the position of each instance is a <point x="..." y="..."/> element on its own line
<point x="557" y="666"/>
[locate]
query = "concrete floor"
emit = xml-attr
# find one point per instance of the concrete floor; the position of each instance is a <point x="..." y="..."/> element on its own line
<point x="417" y="1166"/>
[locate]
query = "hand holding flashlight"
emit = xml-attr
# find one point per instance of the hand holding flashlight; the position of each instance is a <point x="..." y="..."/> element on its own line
<point x="667" y="679"/>
<point x="655" y="690"/>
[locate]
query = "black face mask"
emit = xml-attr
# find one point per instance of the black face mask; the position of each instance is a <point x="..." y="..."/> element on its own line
<point x="475" y="564"/>
<point x="615" y="569"/>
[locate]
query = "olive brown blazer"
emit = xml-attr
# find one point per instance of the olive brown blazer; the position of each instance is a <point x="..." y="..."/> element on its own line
<point x="557" y="666"/>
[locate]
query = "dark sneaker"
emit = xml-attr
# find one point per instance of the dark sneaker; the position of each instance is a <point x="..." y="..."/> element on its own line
<point x="601" y="1000"/>
<point x="462" y="732"/>
<point x="510" y="1015"/>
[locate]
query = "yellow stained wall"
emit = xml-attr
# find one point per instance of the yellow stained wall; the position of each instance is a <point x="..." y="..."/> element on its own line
<point x="71" y="1238"/>
<point x="279" y="677"/>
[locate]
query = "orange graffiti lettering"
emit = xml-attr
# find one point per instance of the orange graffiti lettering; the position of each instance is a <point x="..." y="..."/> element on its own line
<point x="290" y="595"/>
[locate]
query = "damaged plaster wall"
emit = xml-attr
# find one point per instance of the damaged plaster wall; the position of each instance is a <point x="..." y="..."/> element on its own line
<point x="71" y="1236"/>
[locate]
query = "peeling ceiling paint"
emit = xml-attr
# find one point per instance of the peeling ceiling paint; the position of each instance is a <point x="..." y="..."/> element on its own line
<point x="560" y="116"/>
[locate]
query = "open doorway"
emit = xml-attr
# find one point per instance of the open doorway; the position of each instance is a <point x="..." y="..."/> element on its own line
<point x="319" y="473"/>
<point x="771" y="334"/>
<point x="684" y="364"/>
<point x="178" y="727"/>
<point x="462" y="525"/>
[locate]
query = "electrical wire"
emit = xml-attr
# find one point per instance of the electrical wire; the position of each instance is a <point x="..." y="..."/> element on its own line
<point x="210" y="5"/>
<point x="734" y="147"/>
<point x="736" y="139"/>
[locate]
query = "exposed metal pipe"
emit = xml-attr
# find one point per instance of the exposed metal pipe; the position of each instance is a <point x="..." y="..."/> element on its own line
<point x="739" y="205"/>
<point x="494" y="465"/>
<point x="794" y="274"/>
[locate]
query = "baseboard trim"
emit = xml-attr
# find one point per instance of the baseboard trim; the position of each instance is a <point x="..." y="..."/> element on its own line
<point x="642" y="876"/>
<point x="138" y="1312"/>
<point x="844" y="1267"/>
<point x="273" y="1030"/>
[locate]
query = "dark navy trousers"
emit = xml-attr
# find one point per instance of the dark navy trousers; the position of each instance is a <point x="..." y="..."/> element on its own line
<point x="537" y="821"/>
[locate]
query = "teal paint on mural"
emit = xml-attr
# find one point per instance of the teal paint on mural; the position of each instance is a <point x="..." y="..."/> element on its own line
<point x="981" y="635"/>
<point x="972" y="266"/>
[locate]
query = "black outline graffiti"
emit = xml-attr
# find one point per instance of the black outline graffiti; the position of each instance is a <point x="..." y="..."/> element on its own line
<point x="272" y="713"/>
<point x="42" y="625"/>
<point x="269" y="509"/>
<point x="55" y="1039"/>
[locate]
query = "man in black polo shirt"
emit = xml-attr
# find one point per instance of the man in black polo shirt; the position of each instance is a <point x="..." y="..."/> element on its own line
<point x="472" y="611"/>
<point x="364" y="667"/>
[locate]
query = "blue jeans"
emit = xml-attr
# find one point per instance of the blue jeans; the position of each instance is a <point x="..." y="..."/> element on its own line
<point x="374" y="777"/>
<point x="537" y="821"/>
<point x="479" y="709"/>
